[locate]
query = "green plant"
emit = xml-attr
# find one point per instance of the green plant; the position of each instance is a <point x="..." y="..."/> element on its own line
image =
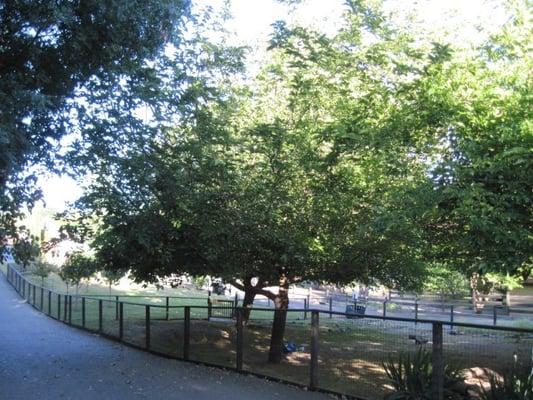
<point x="77" y="267"/>
<point x="199" y="281"/>
<point x="394" y="307"/>
<point x="42" y="269"/>
<point x="411" y="377"/>
<point x="517" y="384"/>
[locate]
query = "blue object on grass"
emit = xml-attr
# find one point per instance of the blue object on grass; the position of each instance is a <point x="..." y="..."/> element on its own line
<point x="289" y="347"/>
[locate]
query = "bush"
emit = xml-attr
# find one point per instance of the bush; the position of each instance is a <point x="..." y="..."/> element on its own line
<point x="199" y="281"/>
<point x="515" y="385"/>
<point x="411" y="377"/>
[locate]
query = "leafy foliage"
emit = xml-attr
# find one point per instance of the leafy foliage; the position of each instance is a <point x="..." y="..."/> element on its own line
<point x="111" y="277"/>
<point x="50" y="53"/>
<point x="77" y="267"/>
<point x="42" y="269"/>
<point x="411" y="377"/>
<point x="483" y="187"/>
<point x="26" y="249"/>
<point x="445" y="280"/>
<point x="515" y="385"/>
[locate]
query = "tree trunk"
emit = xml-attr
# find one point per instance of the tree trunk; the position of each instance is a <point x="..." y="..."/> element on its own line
<point x="473" y="287"/>
<point x="247" y="303"/>
<point x="281" y="303"/>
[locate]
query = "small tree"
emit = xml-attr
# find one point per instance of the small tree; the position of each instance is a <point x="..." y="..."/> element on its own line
<point x="111" y="277"/>
<point x="77" y="267"/>
<point x="42" y="269"/>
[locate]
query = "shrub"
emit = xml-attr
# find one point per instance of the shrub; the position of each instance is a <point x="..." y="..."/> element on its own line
<point x="515" y="385"/>
<point x="411" y="377"/>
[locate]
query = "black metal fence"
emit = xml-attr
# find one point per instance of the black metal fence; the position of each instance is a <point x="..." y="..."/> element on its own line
<point x="326" y="350"/>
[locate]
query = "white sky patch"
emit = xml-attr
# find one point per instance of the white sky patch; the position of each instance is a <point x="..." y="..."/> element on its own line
<point x="59" y="190"/>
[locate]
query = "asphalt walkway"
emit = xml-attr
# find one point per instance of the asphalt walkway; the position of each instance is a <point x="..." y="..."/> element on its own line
<point x="43" y="359"/>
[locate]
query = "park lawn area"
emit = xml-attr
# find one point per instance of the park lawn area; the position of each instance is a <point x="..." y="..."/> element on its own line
<point x="351" y="351"/>
<point x="94" y="287"/>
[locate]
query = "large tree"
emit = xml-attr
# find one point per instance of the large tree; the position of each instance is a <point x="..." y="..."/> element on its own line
<point x="310" y="175"/>
<point x="483" y="215"/>
<point x="49" y="52"/>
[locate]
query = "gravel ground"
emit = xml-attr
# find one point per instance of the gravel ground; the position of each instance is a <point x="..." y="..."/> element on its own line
<point x="44" y="359"/>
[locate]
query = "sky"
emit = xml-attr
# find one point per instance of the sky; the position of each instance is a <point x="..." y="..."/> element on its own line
<point x="251" y="24"/>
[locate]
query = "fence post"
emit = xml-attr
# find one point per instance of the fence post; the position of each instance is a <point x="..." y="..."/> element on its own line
<point x="120" y="321"/>
<point x="494" y="315"/>
<point x="416" y="312"/>
<point x="33" y="295"/>
<point x="70" y="309"/>
<point x="384" y="308"/>
<point x="42" y="298"/>
<point x="313" y="368"/>
<point x="239" y="341"/>
<point x="59" y="307"/>
<point x="100" y="315"/>
<point x="166" y="310"/>
<point x="451" y="317"/>
<point x="209" y="305"/>
<point x="437" y="360"/>
<point x="49" y="302"/>
<point x="236" y="300"/>
<point x="23" y="289"/>
<point x="305" y="308"/>
<point x="116" y="307"/>
<point x="186" y="332"/>
<point x="148" y="326"/>
<point x="330" y="307"/>
<point x="65" y="308"/>
<point x="83" y="312"/>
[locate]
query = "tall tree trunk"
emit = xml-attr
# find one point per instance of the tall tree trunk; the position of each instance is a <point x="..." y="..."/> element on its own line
<point x="281" y="304"/>
<point x="248" y="302"/>
<point x="507" y="298"/>
<point x="473" y="288"/>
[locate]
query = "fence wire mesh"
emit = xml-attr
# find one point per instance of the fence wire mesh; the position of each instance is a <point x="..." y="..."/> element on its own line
<point x="352" y="347"/>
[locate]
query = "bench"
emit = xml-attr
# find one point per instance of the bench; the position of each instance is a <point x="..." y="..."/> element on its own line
<point x="355" y="310"/>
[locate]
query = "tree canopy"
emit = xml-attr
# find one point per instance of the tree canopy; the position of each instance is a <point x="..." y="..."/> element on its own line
<point x="49" y="53"/>
<point x="375" y="154"/>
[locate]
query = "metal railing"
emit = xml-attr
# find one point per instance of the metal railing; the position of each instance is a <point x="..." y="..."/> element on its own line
<point x="332" y="352"/>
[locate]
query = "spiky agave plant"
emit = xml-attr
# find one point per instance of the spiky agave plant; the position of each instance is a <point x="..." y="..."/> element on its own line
<point x="517" y="384"/>
<point x="411" y="377"/>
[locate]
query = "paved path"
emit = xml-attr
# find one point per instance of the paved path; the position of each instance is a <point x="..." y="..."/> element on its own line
<point x="44" y="359"/>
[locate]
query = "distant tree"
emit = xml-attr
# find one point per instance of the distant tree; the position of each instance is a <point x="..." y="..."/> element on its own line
<point x="111" y="277"/>
<point x="42" y="269"/>
<point x="482" y="101"/>
<point x="446" y="281"/>
<point x="77" y="267"/>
